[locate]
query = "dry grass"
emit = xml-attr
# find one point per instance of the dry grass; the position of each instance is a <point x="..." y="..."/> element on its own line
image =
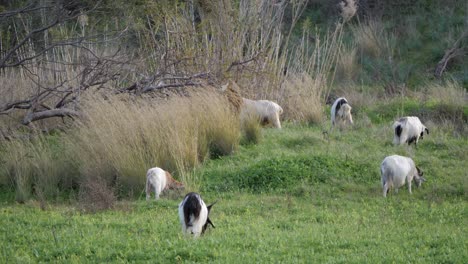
<point x="36" y="167"/>
<point x="303" y="99"/>
<point x="450" y="92"/>
<point x="96" y="195"/>
<point x="118" y="140"/>
<point x="121" y="137"/>
<point x="251" y="130"/>
<point x="369" y="38"/>
<point x="347" y="66"/>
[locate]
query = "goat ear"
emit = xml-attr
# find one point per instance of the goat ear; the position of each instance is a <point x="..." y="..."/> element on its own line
<point x="420" y="172"/>
<point x="427" y="130"/>
<point x="209" y="206"/>
<point x="209" y="222"/>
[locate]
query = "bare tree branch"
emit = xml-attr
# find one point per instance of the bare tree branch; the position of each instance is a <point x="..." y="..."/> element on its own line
<point x="61" y="112"/>
<point x="451" y="53"/>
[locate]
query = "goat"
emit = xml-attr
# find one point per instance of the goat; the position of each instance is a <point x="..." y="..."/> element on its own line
<point x="194" y="214"/>
<point x="341" y="112"/>
<point x="159" y="180"/>
<point x="408" y="129"/>
<point x="267" y="112"/>
<point x="395" y="170"/>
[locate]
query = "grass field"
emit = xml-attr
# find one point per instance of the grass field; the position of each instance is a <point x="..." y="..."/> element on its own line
<point x="300" y="195"/>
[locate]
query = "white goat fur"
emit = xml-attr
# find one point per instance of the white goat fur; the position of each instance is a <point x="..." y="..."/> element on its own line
<point x="195" y="225"/>
<point x="396" y="170"/>
<point x="343" y="115"/>
<point x="159" y="180"/>
<point x="266" y="111"/>
<point x="410" y="129"/>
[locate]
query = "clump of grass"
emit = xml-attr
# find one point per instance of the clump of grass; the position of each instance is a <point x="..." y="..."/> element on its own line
<point x="36" y="167"/>
<point x="303" y="99"/>
<point x="251" y="130"/>
<point x="122" y="137"/>
<point x="346" y="66"/>
<point x="96" y="195"/>
<point x="449" y="92"/>
<point x="369" y="38"/>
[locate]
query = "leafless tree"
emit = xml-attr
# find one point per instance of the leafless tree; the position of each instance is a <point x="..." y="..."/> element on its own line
<point x="30" y="47"/>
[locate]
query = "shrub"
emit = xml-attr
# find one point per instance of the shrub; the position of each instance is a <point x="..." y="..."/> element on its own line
<point x="96" y="195"/>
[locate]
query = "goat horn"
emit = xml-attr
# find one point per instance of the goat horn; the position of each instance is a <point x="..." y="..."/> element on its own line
<point x="209" y="222"/>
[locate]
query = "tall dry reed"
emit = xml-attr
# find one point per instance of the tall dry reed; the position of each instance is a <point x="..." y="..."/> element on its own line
<point x="121" y="138"/>
<point x="37" y="167"/>
<point x="311" y="73"/>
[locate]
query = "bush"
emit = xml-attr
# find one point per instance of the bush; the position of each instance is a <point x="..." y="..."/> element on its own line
<point x="96" y="195"/>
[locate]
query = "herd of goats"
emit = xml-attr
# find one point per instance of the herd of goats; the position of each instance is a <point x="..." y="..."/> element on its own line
<point x="395" y="170"/>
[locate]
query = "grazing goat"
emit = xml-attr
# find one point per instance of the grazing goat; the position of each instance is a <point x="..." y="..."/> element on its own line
<point x="408" y="129"/>
<point x="267" y="112"/>
<point x="396" y="170"/>
<point x="341" y="112"/>
<point x="194" y="214"/>
<point x="160" y="180"/>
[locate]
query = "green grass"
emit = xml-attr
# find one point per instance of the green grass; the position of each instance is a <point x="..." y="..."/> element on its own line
<point x="298" y="196"/>
<point x="253" y="228"/>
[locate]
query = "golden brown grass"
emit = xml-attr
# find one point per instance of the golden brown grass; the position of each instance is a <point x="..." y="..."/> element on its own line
<point x="121" y="138"/>
<point x="303" y="99"/>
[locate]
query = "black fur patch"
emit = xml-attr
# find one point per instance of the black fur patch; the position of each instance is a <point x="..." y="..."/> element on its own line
<point x="411" y="140"/>
<point x="208" y="220"/>
<point x="192" y="206"/>
<point x="398" y="130"/>
<point x="420" y="172"/>
<point x="339" y="104"/>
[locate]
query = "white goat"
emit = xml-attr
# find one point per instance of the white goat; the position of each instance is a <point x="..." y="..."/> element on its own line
<point x="396" y="170"/>
<point x="408" y="129"/>
<point x="267" y="112"/>
<point x="194" y="214"/>
<point x="159" y="180"/>
<point x="341" y="112"/>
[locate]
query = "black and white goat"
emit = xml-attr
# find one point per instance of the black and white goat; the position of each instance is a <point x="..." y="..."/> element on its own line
<point x="194" y="214"/>
<point x="408" y="129"/>
<point x="341" y="112"/>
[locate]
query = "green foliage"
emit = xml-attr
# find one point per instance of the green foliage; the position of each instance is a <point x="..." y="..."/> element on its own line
<point x="284" y="172"/>
<point x="258" y="228"/>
